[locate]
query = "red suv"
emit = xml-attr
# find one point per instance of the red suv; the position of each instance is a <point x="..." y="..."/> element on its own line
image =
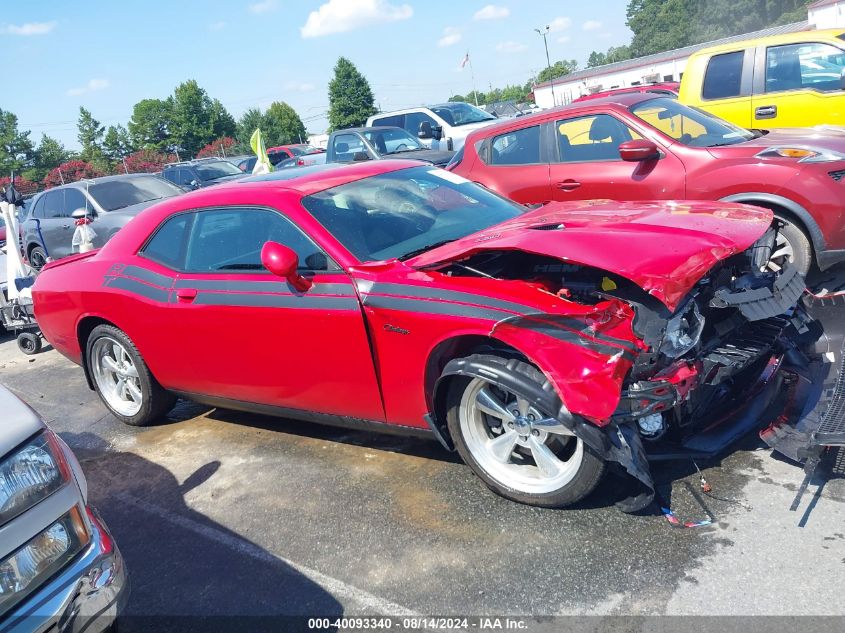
<point x="646" y="147"/>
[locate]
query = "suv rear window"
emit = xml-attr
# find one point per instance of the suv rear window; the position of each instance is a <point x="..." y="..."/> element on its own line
<point x="723" y="78"/>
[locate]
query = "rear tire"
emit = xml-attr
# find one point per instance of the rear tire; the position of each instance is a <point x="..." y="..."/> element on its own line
<point x="122" y="379"/>
<point x="792" y="246"/>
<point x="518" y="451"/>
<point x="37" y="257"/>
<point x="29" y="343"/>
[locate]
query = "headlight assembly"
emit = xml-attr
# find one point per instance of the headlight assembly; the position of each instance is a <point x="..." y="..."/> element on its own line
<point x="30" y="474"/>
<point x="803" y="154"/>
<point x="682" y="331"/>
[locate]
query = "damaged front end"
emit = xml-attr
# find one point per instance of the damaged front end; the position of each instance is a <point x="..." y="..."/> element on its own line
<point x="740" y="352"/>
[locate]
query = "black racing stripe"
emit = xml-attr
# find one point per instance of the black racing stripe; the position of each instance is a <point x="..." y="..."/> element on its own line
<point x="434" y="307"/>
<point x="147" y="275"/>
<point x="581" y="327"/>
<point x="554" y="331"/>
<point x="278" y="287"/>
<point x="245" y="299"/>
<point x="422" y="292"/>
<point x="137" y="287"/>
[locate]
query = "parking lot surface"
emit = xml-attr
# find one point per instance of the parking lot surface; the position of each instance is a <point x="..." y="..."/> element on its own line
<point x="224" y="513"/>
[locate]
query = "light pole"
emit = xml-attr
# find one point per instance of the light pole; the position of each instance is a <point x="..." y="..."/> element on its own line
<point x="544" y="33"/>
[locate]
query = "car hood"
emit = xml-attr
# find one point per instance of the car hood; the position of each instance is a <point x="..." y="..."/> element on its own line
<point x="19" y="421"/>
<point x="663" y="247"/>
<point x="433" y="156"/>
<point x="823" y="137"/>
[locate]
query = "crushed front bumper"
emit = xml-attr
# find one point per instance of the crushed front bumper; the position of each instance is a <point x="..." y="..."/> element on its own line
<point x="85" y="596"/>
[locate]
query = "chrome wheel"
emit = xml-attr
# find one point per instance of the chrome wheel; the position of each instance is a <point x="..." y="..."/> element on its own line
<point x="116" y="376"/>
<point x="782" y="253"/>
<point x="37" y="258"/>
<point x="517" y="445"/>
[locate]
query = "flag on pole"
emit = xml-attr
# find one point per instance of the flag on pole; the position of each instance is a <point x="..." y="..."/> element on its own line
<point x="262" y="165"/>
<point x="466" y="60"/>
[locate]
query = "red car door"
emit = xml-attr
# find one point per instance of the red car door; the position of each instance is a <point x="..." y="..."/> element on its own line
<point x="587" y="164"/>
<point x="238" y="333"/>
<point x="517" y="166"/>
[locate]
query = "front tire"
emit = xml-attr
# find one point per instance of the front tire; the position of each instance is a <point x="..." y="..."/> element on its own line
<point x="520" y="452"/>
<point x="122" y="379"/>
<point x="791" y="246"/>
<point x="37" y="257"/>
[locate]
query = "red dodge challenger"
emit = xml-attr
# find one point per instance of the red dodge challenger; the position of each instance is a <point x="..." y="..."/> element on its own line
<point x="541" y="344"/>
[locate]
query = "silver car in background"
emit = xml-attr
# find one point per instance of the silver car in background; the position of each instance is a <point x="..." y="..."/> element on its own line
<point x="112" y="201"/>
<point x="60" y="569"/>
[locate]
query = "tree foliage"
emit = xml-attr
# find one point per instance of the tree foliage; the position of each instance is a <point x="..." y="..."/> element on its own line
<point x="282" y="125"/>
<point x="23" y="185"/>
<point x="71" y="171"/>
<point x="116" y="143"/>
<point x="250" y="120"/>
<point x="148" y="127"/>
<point x="15" y="146"/>
<point x="614" y="54"/>
<point x="144" y="161"/>
<point x="90" y="136"/>
<point x="225" y="145"/>
<point x="559" y="69"/>
<point x="351" y="99"/>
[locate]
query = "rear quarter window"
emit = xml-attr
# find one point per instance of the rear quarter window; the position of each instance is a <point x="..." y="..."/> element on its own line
<point x="723" y="77"/>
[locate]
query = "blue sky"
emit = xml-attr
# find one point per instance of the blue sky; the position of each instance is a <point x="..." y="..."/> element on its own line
<point x="106" y="56"/>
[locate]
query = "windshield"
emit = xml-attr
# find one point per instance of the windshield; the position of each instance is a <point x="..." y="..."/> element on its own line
<point x="116" y="194"/>
<point x="392" y="141"/>
<point x="405" y="212"/>
<point x="689" y="126"/>
<point x="216" y="169"/>
<point x="457" y="114"/>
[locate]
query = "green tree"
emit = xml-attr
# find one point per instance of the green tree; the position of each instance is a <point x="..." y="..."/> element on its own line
<point x="250" y="120"/>
<point x="614" y="54"/>
<point x="282" y="125"/>
<point x="222" y="123"/>
<point x="15" y="146"/>
<point x="150" y="123"/>
<point x="90" y="136"/>
<point x="457" y="99"/>
<point x="116" y="143"/>
<point x="351" y="100"/>
<point x="49" y="154"/>
<point x="191" y="126"/>
<point x="559" y="69"/>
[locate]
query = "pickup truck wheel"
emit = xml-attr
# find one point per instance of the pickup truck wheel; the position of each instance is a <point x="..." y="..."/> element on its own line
<point x="122" y="379"/>
<point x="792" y="246"/>
<point x="520" y="452"/>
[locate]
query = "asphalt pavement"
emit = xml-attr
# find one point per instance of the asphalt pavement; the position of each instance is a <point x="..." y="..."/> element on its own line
<point x="221" y="513"/>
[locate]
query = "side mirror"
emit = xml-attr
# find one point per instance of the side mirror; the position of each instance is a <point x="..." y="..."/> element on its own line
<point x="425" y="130"/>
<point x="437" y="132"/>
<point x="194" y="184"/>
<point x="283" y="262"/>
<point x="360" y="156"/>
<point x="638" y="150"/>
<point x="83" y="213"/>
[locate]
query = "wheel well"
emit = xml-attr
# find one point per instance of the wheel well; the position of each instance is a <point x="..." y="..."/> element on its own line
<point x="83" y="331"/>
<point x="787" y="214"/>
<point x="452" y="348"/>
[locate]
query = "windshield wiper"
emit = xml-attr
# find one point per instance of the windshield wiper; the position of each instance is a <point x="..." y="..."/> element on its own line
<point x="410" y="149"/>
<point x="423" y="249"/>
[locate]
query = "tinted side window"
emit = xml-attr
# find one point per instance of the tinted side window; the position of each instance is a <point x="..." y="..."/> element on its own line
<point x="54" y="204"/>
<point x="167" y="246"/>
<point x="393" y="120"/>
<point x="74" y="199"/>
<point x="413" y="120"/>
<point x="796" y="66"/>
<point x="38" y="209"/>
<point x="231" y="240"/>
<point x="520" y="147"/>
<point x="592" y="138"/>
<point x="723" y="78"/>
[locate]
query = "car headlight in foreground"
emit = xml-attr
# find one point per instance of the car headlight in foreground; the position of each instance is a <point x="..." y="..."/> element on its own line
<point x="682" y="331"/>
<point x="27" y="568"/>
<point x="30" y="474"/>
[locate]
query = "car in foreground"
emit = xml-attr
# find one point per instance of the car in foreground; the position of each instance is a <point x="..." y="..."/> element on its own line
<point x="666" y="88"/>
<point x="110" y="202"/>
<point x="542" y="344"/>
<point x="649" y="147"/>
<point x="780" y="81"/>
<point x="60" y="569"/>
<point x="201" y="172"/>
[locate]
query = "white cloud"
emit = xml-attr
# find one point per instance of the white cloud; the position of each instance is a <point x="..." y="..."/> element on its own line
<point x="299" y="87"/>
<point x="591" y="25"/>
<point x="340" y="16"/>
<point x="511" y="47"/>
<point x="451" y="36"/>
<point x="564" y="39"/>
<point x="491" y="12"/>
<point x="560" y="24"/>
<point x="217" y="26"/>
<point x="93" y="85"/>
<point x="30" y="28"/>
<point x="262" y="7"/>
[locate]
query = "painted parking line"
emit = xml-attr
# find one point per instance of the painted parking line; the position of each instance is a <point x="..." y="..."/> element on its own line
<point x="370" y="603"/>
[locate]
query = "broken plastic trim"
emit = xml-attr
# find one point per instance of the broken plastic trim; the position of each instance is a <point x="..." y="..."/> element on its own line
<point x="757" y="304"/>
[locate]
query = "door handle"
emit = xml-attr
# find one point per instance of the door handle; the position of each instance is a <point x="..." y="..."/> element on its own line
<point x="66" y="226"/>
<point x="766" y="112"/>
<point x="568" y="185"/>
<point x="186" y="295"/>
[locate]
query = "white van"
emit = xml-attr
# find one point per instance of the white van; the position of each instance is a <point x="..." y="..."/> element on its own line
<point x="447" y="124"/>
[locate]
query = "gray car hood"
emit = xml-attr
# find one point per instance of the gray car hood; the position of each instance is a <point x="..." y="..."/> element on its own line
<point x="19" y="421"/>
<point x="434" y="156"/>
<point x="135" y="209"/>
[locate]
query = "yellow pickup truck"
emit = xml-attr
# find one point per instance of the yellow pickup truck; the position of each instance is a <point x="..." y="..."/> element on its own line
<point x="792" y="80"/>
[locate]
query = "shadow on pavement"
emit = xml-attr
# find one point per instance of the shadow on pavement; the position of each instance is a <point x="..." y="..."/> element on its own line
<point x="187" y="572"/>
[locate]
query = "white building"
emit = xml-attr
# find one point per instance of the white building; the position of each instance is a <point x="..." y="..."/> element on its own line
<point x="660" y="67"/>
<point x="827" y="14"/>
